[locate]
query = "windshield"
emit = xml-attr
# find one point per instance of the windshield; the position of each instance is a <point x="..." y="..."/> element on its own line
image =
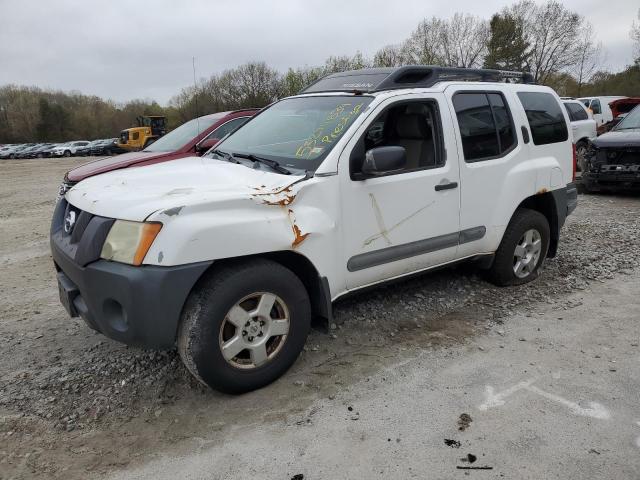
<point x="182" y="135"/>
<point x="297" y="132"/>
<point x="631" y="121"/>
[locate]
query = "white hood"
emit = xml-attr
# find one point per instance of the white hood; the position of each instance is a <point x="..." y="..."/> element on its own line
<point x="136" y="193"/>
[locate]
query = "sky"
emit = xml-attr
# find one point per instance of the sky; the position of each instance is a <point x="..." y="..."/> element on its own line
<point x="123" y="50"/>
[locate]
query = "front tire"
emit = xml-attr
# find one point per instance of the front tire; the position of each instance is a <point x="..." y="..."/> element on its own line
<point x="523" y="249"/>
<point x="244" y="325"/>
<point x="67" y="153"/>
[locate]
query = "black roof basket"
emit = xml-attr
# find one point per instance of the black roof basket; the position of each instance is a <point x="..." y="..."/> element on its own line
<point x="413" y="76"/>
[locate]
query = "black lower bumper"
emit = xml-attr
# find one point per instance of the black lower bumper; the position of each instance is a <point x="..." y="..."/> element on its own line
<point x="613" y="177"/>
<point x="134" y="305"/>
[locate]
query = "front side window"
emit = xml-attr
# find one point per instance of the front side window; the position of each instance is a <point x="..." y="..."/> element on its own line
<point x="181" y="136"/>
<point x="486" y="126"/>
<point x="414" y="126"/>
<point x="595" y="106"/>
<point x="298" y="132"/>
<point x="545" y="117"/>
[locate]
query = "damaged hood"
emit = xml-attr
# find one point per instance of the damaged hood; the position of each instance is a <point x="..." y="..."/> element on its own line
<point x="135" y="194"/>
<point x="618" y="139"/>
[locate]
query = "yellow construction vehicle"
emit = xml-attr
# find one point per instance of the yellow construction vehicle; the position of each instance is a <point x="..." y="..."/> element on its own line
<point x="149" y="129"/>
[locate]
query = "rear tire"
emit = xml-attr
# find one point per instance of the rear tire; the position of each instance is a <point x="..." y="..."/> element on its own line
<point x="523" y="249"/>
<point x="231" y="344"/>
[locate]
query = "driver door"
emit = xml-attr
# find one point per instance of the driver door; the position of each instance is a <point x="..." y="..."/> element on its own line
<point x="406" y="220"/>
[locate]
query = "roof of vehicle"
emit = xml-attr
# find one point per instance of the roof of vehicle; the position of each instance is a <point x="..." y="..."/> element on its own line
<point x="602" y="96"/>
<point x="371" y="80"/>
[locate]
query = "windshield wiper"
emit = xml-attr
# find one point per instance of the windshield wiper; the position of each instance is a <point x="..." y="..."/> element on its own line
<point x="227" y="156"/>
<point x="265" y="161"/>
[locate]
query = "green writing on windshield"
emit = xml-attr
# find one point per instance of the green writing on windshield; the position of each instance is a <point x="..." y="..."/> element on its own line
<point x="330" y="130"/>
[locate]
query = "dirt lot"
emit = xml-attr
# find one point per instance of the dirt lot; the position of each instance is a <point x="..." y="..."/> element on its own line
<point x="557" y="359"/>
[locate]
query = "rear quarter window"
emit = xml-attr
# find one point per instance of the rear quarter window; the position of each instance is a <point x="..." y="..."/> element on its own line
<point x="545" y="117"/>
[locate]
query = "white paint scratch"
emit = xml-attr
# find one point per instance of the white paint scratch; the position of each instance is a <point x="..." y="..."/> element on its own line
<point x="492" y="399"/>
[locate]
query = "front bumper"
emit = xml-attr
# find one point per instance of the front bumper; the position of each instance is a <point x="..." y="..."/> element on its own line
<point x="133" y="305"/>
<point x="613" y="177"/>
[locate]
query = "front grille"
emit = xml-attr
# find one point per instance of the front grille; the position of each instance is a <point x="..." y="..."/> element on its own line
<point x="79" y="234"/>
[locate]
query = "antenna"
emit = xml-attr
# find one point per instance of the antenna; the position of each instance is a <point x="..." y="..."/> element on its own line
<point x="195" y="93"/>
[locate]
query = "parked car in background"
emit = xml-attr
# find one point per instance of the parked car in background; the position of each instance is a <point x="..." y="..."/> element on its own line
<point x="583" y="126"/>
<point x="6" y="150"/>
<point x="27" y="152"/>
<point x="230" y="256"/>
<point x="599" y="106"/>
<point x="191" y="138"/>
<point x="38" y="151"/>
<point x="16" y="151"/>
<point x="107" y="146"/>
<point x="613" y="162"/>
<point x="46" y="152"/>
<point x="68" y="149"/>
<point x="85" y="150"/>
<point x="619" y="108"/>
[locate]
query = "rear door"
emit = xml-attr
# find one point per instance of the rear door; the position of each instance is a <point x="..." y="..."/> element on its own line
<point x="489" y="146"/>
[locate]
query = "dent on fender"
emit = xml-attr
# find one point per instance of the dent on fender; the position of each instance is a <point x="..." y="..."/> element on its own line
<point x="283" y="197"/>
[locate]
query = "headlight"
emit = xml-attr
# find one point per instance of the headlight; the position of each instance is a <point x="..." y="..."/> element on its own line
<point x="129" y="242"/>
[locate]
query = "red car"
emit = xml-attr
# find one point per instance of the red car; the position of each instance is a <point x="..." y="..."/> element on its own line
<point x="191" y="138"/>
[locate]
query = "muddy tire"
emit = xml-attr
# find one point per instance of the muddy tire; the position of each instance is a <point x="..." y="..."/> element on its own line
<point x="244" y="325"/>
<point x="523" y="249"/>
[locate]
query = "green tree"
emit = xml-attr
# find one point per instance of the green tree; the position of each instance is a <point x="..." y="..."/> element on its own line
<point x="507" y="48"/>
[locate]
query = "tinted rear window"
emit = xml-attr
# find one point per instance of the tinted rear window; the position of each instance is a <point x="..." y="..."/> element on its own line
<point x="545" y="117"/>
<point x="576" y="112"/>
<point x="485" y="125"/>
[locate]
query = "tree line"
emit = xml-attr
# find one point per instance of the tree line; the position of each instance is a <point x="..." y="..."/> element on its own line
<point x="552" y="42"/>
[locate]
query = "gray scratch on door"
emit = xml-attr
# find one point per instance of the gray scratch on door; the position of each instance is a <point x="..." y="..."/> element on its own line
<point x="384" y="231"/>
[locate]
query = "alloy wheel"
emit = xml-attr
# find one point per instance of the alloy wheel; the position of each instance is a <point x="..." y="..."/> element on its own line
<point x="254" y="330"/>
<point x="527" y="253"/>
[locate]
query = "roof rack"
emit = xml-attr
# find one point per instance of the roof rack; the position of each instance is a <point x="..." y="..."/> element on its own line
<point x="413" y="76"/>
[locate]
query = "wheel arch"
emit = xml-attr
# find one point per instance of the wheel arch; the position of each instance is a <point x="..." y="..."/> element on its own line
<point x="317" y="286"/>
<point x="546" y="204"/>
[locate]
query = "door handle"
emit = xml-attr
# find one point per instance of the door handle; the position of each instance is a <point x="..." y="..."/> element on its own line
<point x="446" y="186"/>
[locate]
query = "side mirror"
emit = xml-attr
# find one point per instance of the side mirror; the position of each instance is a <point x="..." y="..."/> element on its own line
<point x="206" y="144"/>
<point x="383" y="160"/>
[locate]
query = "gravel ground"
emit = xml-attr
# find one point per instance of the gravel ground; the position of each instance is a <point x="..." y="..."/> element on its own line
<point x="74" y="402"/>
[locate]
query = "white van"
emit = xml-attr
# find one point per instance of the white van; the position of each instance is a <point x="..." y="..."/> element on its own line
<point x="366" y="177"/>
<point x="599" y="106"/>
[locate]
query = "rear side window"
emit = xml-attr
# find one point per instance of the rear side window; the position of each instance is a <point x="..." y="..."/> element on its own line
<point x="486" y="126"/>
<point x="545" y="117"/>
<point x="576" y="112"/>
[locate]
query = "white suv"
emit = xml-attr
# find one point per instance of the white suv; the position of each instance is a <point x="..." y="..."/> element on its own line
<point x="583" y="126"/>
<point x="367" y="176"/>
<point x="68" y="149"/>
